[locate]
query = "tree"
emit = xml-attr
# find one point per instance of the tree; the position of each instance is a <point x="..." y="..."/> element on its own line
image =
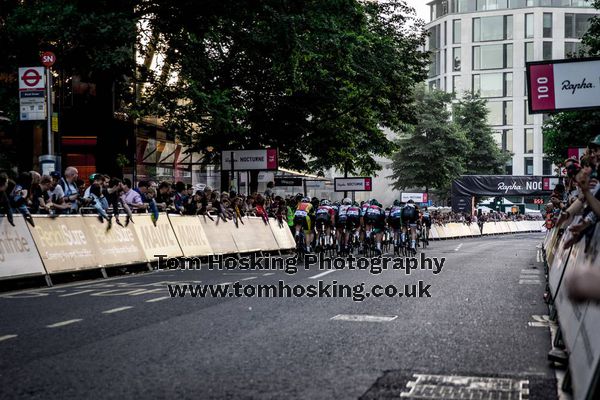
<point x="317" y="79"/>
<point x="484" y="156"/>
<point x="432" y="151"/>
<point x="569" y="129"/>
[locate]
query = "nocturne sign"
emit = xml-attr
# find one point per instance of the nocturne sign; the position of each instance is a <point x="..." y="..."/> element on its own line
<point x="497" y="185"/>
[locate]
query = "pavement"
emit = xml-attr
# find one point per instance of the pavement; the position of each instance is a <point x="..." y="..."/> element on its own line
<point x="124" y="337"/>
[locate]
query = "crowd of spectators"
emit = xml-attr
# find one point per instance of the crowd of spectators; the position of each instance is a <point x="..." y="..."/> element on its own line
<point x="575" y="207"/>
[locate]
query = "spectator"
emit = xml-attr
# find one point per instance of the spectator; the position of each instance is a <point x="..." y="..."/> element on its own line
<point x="70" y="190"/>
<point x="269" y="191"/>
<point x="142" y="189"/>
<point x="131" y="197"/>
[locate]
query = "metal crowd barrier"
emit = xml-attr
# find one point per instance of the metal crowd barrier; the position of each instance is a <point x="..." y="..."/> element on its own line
<point x="579" y="323"/>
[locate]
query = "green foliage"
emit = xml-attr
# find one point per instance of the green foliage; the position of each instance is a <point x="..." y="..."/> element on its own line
<point x="483" y="157"/>
<point x="569" y="129"/>
<point x="431" y="152"/>
<point x="317" y="79"/>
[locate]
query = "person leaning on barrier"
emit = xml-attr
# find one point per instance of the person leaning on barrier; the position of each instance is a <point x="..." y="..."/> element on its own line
<point x="68" y="183"/>
<point x="131" y="197"/>
<point x="4" y="201"/>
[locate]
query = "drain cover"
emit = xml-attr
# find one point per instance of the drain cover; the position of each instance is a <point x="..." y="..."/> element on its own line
<point x="433" y="387"/>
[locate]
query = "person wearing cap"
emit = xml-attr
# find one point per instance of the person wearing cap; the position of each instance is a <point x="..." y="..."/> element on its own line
<point x="94" y="178"/>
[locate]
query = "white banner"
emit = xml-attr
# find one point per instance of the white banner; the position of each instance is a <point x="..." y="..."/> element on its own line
<point x="416" y="197"/>
<point x="18" y="254"/>
<point x="353" y="184"/>
<point x="246" y="160"/>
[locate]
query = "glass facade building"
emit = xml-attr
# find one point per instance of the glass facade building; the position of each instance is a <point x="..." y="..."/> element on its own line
<point x="482" y="46"/>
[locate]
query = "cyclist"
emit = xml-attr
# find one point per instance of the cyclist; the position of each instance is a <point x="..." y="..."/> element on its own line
<point x="426" y="222"/>
<point x="303" y="220"/>
<point x="325" y="217"/>
<point x="395" y="222"/>
<point x="341" y="223"/>
<point x="375" y="222"/>
<point x="410" y="215"/>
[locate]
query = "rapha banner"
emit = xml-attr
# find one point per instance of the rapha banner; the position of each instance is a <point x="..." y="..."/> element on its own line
<point x="563" y="85"/>
<point x="499" y="185"/>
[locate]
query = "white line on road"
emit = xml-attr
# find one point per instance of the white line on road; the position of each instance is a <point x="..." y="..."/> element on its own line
<point x="75" y="293"/>
<point x="364" y="318"/>
<point x="458" y="247"/>
<point x="530" y="272"/>
<point x="114" y="310"/>
<point x="529" y="282"/>
<point x="248" y="279"/>
<point x="6" y="337"/>
<point x="317" y="276"/>
<point x="63" y="323"/>
<point x="224" y="283"/>
<point x="158" y="299"/>
<point x="269" y="274"/>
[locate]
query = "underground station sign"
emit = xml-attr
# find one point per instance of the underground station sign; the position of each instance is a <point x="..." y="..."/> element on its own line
<point x="353" y="184"/>
<point x="561" y="85"/>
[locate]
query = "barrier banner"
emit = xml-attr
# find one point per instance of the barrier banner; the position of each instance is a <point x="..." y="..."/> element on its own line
<point x="475" y="230"/>
<point x="283" y="236"/>
<point x="263" y="233"/>
<point x="489" y="228"/>
<point x="116" y="246"/>
<point x="512" y="226"/>
<point x="64" y="243"/>
<point x="18" y="254"/>
<point x="559" y="262"/>
<point x="465" y="229"/>
<point x="433" y="232"/>
<point x="246" y="236"/>
<point x="190" y="235"/>
<point x="504" y="227"/>
<point x="220" y="235"/>
<point x="156" y="240"/>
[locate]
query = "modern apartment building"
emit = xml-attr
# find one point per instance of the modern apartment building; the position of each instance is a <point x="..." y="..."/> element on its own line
<point x="483" y="45"/>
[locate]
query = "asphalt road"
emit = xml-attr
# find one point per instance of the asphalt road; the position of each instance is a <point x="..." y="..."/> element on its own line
<point x="126" y="338"/>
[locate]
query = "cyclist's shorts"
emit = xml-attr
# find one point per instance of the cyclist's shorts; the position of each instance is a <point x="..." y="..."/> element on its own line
<point x="377" y="223"/>
<point x="427" y="222"/>
<point x="322" y="219"/>
<point x="341" y="221"/>
<point x="395" y="223"/>
<point x="410" y="221"/>
<point x="304" y="222"/>
<point x="353" y="222"/>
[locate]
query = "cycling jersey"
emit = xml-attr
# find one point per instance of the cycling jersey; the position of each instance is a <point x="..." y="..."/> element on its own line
<point x="325" y="212"/>
<point x="303" y="210"/>
<point x="395" y="217"/>
<point x="410" y="214"/>
<point x="375" y="216"/>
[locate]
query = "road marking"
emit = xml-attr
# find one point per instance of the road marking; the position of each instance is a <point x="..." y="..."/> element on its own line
<point x="248" y="279"/>
<point x="364" y="318"/>
<point x="269" y="274"/>
<point x="530" y="272"/>
<point x="458" y="247"/>
<point x="317" y="276"/>
<point x="458" y="387"/>
<point x="63" y="323"/>
<point x="6" y="337"/>
<point x="224" y="283"/>
<point x="114" y="310"/>
<point x="158" y="299"/>
<point x="529" y="282"/>
<point x="539" y="256"/>
<point x="75" y="293"/>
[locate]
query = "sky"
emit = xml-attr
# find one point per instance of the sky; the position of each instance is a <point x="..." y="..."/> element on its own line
<point x="421" y="7"/>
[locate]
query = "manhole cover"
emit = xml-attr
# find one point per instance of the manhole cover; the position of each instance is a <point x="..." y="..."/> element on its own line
<point x="430" y="387"/>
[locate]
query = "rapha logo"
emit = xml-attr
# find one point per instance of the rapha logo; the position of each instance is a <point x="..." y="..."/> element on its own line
<point x="574" y="87"/>
<point x="514" y="186"/>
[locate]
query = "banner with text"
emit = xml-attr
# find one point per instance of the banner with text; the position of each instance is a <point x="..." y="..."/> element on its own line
<point x="18" y="254"/>
<point x="247" y="160"/>
<point x="353" y="184"/>
<point x="563" y="85"/>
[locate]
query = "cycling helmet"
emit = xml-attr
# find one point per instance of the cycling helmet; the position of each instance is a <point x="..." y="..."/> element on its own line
<point x="411" y="201"/>
<point x="373" y="202"/>
<point x="346" y="202"/>
<point x="305" y="200"/>
<point x="355" y="204"/>
<point x="325" y="202"/>
<point x="396" y="203"/>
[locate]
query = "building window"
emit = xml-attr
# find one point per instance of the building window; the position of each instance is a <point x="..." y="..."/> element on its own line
<point x="456" y="31"/>
<point x="547" y="51"/>
<point x="493" y="85"/>
<point x="576" y="25"/>
<point x="508" y="84"/>
<point x="492" y="28"/>
<point x="445" y="33"/>
<point x="455" y="83"/>
<point x="434" y="66"/>
<point x="434" y="84"/>
<point x="528" y="26"/>
<point x="456" y="59"/>
<point x="546" y="167"/>
<point x="508" y="168"/>
<point x="500" y="113"/>
<point x="572" y="49"/>
<point x="507" y="140"/>
<point x="528" y="166"/>
<point x="465" y="5"/>
<point x="528" y="51"/>
<point x="528" y="117"/>
<point x="547" y="25"/>
<point x="529" y="140"/>
<point x="484" y="5"/>
<point x="495" y="56"/>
